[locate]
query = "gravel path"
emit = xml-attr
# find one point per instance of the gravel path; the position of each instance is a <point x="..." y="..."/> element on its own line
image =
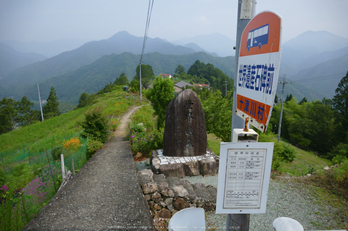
<point x="285" y="199"/>
<point x="103" y="195"/>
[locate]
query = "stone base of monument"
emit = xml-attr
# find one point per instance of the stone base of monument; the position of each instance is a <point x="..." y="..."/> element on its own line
<point x="207" y="164"/>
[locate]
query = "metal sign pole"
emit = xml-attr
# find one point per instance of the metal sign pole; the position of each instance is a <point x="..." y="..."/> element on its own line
<point x="246" y="11"/>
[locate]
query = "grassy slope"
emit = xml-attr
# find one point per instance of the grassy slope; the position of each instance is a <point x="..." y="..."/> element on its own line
<point x="40" y="136"/>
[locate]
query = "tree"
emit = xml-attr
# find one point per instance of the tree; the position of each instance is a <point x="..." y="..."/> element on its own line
<point x="51" y="108"/>
<point x="218" y="114"/>
<point x="160" y="96"/>
<point x="304" y="100"/>
<point x="207" y="73"/>
<point x="26" y="116"/>
<point x="84" y="100"/>
<point x="134" y="86"/>
<point x="146" y="72"/>
<point x="340" y="104"/>
<point x="180" y="69"/>
<point x="122" y="80"/>
<point x="8" y="115"/>
<point x="288" y="98"/>
<point x="340" y="100"/>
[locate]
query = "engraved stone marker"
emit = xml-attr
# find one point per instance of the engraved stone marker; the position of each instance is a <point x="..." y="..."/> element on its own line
<point x="185" y="132"/>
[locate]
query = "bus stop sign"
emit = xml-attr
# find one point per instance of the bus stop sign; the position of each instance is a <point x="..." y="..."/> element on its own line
<point x="258" y="69"/>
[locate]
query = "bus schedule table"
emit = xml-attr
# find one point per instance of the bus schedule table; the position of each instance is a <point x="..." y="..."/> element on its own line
<point x="244" y="174"/>
<point x="244" y="178"/>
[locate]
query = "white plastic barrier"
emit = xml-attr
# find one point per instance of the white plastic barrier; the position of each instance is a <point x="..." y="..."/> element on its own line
<point x="188" y="219"/>
<point x="287" y="224"/>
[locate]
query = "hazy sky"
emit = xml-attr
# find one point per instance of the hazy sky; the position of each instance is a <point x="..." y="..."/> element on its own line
<point x="49" y="20"/>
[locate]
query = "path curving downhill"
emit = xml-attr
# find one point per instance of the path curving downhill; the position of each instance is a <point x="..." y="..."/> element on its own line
<point x="103" y="195"/>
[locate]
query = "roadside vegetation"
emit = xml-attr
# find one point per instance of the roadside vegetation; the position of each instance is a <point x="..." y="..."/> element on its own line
<point x="30" y="155"/>
<point x="314" y="135"/>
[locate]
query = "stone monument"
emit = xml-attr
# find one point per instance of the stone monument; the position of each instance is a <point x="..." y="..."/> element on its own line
<point x="185" y="151"/>
<point x="185" y="133"/>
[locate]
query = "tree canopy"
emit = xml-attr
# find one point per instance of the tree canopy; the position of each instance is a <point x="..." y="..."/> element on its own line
<point x="160" y="96"/>
<point x="122" y="80"/>
<point x="51" y="107"/>
<point x="208" y="74"/>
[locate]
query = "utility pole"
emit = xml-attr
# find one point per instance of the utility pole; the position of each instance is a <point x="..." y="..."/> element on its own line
<point x="141" y="96"/>
<point x="38" y="91"/>
<point x="281" y="110"/>
<point x="246" y="11"/>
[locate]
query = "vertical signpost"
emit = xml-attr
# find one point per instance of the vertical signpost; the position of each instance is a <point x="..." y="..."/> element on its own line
<point x="245" y="167"/>
<point x="258" y="69"/>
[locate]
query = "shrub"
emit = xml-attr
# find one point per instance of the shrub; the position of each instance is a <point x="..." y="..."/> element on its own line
<point x="340" y="150"/>
<point x="57" y="150"/>
<point x="145" y="143"/>
<point x="92" y="147"/>
<point x="341" y="173"/>
<point x="95" y="126"/>
<point x="288" y="154"/>
<point x="339" y="159"/>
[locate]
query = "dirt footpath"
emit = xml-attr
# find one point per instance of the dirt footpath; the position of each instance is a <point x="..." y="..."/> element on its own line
<point x="104" y="195"/>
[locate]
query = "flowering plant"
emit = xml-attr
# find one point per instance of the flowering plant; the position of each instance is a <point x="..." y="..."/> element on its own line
<point x="146" y="142"/>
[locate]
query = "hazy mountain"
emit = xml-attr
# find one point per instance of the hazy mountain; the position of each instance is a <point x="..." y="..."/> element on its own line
<point x="11" y="59"/>
<point x="88" y="53"/>
<point x="299" y="91"/>
<point x="324" y="77"/>
<point x="197" y="48"/>
<point x="48" y="49"/>
<point x="311" y="48"/>
<point x="324" y="57"/>
<point x="93" y="77"/>
<point x="315" y="42"/>
<point x="215" y="43"/>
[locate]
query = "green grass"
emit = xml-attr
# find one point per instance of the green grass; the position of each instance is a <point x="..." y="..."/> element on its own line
<point x="213" y="143"/>
<point x="304" y="163"/>
<point x="42" y="135"/>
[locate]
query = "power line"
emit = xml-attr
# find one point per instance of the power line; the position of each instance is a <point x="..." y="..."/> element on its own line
<point x="148" y="19"/>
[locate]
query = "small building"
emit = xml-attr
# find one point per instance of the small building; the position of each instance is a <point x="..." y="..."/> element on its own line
<point x="201" y="85"/>
<point x="166" y="76"/>
<point x="180" y="85"/>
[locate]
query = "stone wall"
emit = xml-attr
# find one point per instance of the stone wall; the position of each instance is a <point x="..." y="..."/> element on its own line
<point x="167" y="195"/>
<point x="207" y="164"/>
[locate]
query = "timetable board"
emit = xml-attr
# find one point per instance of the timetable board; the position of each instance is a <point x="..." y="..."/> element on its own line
<point x="244" y="173"/>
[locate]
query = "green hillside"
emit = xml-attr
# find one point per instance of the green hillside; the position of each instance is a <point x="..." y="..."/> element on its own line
<point x="93" y="77"/>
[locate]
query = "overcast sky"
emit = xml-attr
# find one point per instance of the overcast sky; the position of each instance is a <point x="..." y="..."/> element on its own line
<point x="49" y="20"/>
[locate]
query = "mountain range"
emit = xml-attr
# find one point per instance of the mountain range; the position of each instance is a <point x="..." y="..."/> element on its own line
<point x="314" y="61"/>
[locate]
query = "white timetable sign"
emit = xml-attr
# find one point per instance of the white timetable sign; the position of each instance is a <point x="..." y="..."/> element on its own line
<point x="244" y="173"/>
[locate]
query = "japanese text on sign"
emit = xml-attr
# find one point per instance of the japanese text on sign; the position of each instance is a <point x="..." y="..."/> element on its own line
<point x="244" y="178"/>
<point x="253" y="108"/>
<point x="256" y="77"/>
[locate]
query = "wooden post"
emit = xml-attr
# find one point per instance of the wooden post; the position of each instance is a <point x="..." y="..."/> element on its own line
<point x="62" y="164"/>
